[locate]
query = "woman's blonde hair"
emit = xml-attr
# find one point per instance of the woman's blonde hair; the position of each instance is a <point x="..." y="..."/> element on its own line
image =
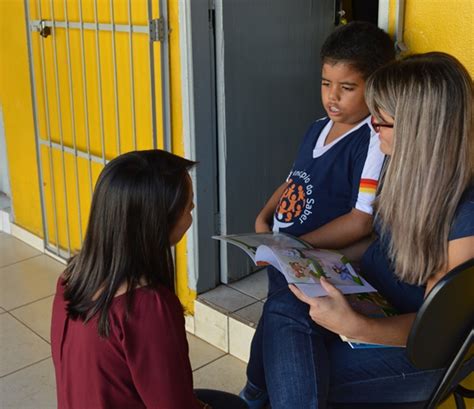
<point x="430" y="98"/>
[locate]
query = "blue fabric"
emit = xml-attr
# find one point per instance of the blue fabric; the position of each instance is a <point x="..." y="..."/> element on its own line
<point x="321" y="368"/>
<point x="220" y="399"/>
<point x="323" y="188"/>
<point x="377" y="268"/>
<point x="302" y="365"/>
<point x="463" y="225"/>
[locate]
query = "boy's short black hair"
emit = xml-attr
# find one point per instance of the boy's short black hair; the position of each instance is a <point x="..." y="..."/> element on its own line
<point x="360" y="44"/>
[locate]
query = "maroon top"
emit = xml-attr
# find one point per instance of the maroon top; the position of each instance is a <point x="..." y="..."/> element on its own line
<point x="142" y="364"/>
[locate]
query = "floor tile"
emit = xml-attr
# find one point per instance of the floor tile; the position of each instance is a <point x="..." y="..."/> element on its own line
<point x="226" y="299"/>
<point x="225" y="374"/>
<point x="37" y="316"/>
<point x="31" y="388"/>
<point x="255" y="285"/>
<point x="28" y="281"/>
<point x="19" y="346"/>
<point x="13" y="250"/>
<point x="201" y="353"/>
<point x="249" y="315"/>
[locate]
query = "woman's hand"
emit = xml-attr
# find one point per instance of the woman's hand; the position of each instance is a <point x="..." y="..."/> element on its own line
<point x="333" y="311"/>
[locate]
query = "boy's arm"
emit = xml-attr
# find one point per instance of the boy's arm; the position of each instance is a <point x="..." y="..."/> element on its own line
<point x="341" y="232"/>
<point x="357" y="224"/>
<point x="263" y="220"/>
<point x="355" y="251"/>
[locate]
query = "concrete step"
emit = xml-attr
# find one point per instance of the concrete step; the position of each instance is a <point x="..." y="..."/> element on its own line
<point x="227" y="316"/>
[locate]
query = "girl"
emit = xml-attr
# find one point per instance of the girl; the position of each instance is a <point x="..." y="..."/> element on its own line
<point x="422" y="107"/>
<point x="117" y="335"/>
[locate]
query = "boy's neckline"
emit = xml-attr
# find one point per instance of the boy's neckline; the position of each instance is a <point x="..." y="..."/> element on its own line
<point x="320" y="147"/>
<point x="339" y="134"/>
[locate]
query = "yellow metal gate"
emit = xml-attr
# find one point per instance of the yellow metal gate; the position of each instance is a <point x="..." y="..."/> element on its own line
<point x="100" y="86"/>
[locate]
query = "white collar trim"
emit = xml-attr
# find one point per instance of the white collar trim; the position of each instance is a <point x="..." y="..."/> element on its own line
<point x="320" y="148"/>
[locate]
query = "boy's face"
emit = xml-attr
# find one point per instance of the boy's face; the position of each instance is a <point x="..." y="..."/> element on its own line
<point x="342" y="93"/>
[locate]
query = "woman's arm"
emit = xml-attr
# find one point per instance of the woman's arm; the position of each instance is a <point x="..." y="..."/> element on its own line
<point x="334" y="312"/>
<point x="459" y="251"/>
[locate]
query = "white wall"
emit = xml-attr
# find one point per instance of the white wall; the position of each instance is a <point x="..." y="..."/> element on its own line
<point x="4" y="179"/>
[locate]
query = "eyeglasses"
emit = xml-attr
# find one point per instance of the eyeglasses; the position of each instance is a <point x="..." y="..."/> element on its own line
<point x="377" y="126"/>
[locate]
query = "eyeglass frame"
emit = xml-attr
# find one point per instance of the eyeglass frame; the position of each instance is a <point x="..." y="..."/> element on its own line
<point x="377" y="126"/>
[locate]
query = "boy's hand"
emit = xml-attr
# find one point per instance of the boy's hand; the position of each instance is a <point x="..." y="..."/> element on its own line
<point x="262" y="226"/>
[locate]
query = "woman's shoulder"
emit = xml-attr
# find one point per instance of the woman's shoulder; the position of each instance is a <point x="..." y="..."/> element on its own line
<point x="149" y="302"/>
<point x="463" y="223"/>
<point x="147" y="310"/>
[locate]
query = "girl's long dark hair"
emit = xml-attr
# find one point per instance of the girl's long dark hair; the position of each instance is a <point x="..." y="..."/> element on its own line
<point x="138" y="199"/>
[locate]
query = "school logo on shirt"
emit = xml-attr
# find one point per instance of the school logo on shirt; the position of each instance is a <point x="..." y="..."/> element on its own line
<point x="294" y="205"/>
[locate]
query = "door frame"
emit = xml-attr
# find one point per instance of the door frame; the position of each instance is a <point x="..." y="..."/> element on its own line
<point x="203" y="96"/>
<point x="200" y="138"/>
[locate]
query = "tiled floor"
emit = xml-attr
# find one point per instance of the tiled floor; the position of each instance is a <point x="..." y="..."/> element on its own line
<point x="27" y="285"/>
<point x="242" y="300"/>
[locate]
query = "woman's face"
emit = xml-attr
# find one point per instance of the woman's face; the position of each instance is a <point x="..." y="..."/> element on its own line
<point x="385" y="131"/>
<point x="185" y="220"/>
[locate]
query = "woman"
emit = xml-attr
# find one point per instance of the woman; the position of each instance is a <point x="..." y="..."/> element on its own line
<point x="117" y="335"/>
<point x="422" y="107"/>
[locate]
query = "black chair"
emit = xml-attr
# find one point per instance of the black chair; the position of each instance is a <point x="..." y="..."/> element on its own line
<point x="442" y="336"/>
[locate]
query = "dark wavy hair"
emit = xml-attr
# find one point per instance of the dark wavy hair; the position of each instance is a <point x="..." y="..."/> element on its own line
<point x="361" y="44"/>
<point x="137" y="201"/>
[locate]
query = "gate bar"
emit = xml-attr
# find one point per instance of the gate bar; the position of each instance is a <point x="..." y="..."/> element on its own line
<point x="84" y="91"/>
<point x="60" y="123"/>
<point x="72" y="151"/>
<point x="165" y="79"/>
<point x="151" y="52"/>
<point x="99" y="82"/>
<point x="34" y="100"/>
<point x="123" y="28"/>
<point x="114" y="62"/>
<point x="132" y="74"/>
<point x="48" y="132"/>
<point x="73" y="122"/>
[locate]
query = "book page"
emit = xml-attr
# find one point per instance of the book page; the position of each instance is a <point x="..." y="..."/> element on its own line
<point x="249" y="242"/>
<point x="304" y="268"/>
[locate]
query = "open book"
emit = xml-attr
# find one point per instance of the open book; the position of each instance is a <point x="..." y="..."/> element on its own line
<point x="301" y="264"/>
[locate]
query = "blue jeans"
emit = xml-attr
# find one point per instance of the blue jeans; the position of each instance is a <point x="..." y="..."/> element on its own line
<point x="220" y="399"/>
<point x="302" y="365"/>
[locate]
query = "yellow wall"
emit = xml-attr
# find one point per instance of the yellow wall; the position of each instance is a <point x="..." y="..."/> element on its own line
<point x="185" y="294"/>
<point x="438" y="25"/>
<point x="15" y="99"/>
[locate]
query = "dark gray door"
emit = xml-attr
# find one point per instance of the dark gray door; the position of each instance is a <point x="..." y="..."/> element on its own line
<point x="268" y="93"/>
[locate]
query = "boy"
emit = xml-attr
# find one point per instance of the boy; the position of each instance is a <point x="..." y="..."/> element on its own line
<point x="327" y="197"/>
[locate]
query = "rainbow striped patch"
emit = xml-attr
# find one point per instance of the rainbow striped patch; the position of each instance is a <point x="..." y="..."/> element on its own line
<point x="368" y="186"/>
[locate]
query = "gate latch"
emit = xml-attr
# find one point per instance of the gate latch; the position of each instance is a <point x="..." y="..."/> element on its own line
<point x="43" y="29"/>
<point x="157" y="29"/>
